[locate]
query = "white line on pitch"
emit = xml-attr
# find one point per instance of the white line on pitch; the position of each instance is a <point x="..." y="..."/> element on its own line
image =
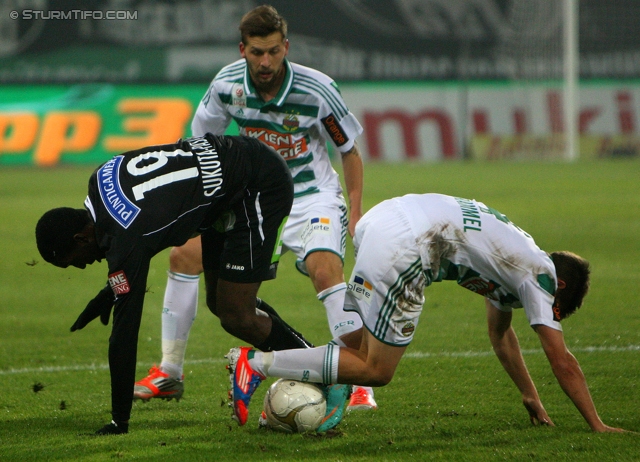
<point x="473" y="354"/>
<point x="412" y="355"/>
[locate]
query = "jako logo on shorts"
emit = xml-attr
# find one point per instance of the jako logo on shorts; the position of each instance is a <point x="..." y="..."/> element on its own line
<point x="360" y="288"/>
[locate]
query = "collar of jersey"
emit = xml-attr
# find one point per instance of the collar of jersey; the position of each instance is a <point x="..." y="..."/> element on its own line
<point x="287" y="83"/>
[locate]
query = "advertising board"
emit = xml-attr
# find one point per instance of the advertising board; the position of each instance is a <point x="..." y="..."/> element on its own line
<point x="51" y="125"/>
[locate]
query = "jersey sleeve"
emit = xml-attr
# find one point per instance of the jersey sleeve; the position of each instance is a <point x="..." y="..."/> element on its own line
<point x="538" y="305"/>
<point x="211" y="115"/>
<point x="340" y="126"/>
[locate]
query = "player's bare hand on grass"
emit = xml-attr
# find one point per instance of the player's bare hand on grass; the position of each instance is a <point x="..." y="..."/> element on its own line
<point x="608" y="429"/>
<point x="101" y="305"/>
<point x="537" y="414"/>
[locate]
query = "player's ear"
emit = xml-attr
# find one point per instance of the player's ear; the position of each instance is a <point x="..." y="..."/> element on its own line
<point x="80" y="238"/>
<point x="85" y="236"/>
<point x="242" y="50"/>
<point x="561" y="284"/>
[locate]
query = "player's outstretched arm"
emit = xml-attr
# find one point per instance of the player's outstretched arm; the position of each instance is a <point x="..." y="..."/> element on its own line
<point x="507" y="348"/>
<point x="570" y="377"/>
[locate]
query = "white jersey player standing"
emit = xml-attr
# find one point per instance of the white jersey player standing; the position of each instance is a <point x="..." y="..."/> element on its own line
<point x="297" y="111"/>
<point x="402" y="246"/>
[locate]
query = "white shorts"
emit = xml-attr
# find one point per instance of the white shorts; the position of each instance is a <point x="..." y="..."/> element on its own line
<point x="317" y="222"/>
<point x="387" y="284"/>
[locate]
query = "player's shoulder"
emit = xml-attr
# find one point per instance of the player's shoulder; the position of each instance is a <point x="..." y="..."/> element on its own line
<point x="319" y="87"/>
<point x="312" y="79"/>
<point x="231" y="73"/>
<point x="309" y="72"/>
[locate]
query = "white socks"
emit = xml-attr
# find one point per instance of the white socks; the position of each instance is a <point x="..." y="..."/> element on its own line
<point x="318" y="365"/>
<point x="179" y="310"/>
<point x="340" y="321"/>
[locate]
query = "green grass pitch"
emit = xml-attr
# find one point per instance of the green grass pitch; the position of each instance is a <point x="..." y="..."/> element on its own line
<point x="450" y="399"/>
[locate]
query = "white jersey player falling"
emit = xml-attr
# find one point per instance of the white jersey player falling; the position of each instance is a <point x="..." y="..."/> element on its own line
<point x="406" y="243"/>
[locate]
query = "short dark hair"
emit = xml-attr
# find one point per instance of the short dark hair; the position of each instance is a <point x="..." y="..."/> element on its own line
<point x="574" y="271"/>
<point x="262" y="21"/>
<point x="55" y="231"/>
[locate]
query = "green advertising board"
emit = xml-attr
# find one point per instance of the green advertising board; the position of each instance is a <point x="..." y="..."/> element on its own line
<point x="88" y="124"/>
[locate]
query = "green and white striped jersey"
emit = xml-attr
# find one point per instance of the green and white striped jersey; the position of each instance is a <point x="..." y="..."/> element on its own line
<point x="307" y="113"/>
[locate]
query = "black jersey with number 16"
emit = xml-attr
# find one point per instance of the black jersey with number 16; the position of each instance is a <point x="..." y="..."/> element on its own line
<point x="147" y="200"/>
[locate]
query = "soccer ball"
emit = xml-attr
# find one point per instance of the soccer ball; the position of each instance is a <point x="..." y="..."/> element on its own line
<point x="294" y="407"/>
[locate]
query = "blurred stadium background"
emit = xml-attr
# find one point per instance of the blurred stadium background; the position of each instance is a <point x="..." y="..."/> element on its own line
<point x="428" y="79"/>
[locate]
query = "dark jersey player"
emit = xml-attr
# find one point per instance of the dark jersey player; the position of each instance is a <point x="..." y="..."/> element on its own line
<point x="234" y="191"/>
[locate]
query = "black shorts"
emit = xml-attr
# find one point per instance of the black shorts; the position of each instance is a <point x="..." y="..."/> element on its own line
<point x="245" y="243"/>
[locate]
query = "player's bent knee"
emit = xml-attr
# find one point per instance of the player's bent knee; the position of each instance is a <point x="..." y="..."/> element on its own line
<point x="325" y="269"/>
<point x="184" y="261"/>
<point x="378" y="377"/>
<point x="324" y="279"/>
<point x="234" y="325"/>
<point x="229" y="327"/>
<point x="381" y="381"/>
